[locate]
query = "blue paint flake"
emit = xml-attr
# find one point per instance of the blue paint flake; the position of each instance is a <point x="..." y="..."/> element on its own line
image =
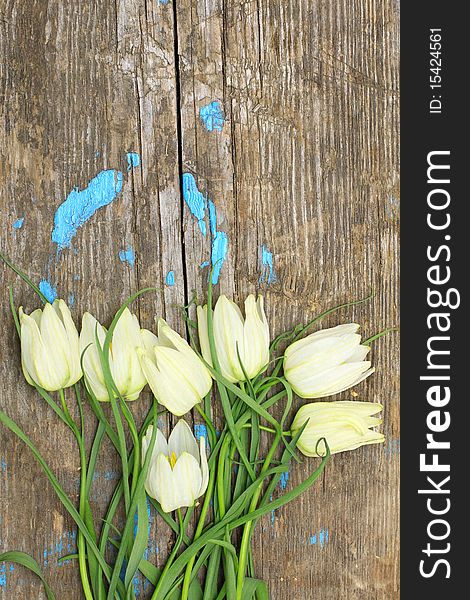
<point x="3" y="575"/>
<point x="127" y="256"/>
<point x="197" y="204"/>
<point x="204" y="264"/>
<point x="283" y="480"/>
<point x="170" y="278"/>
<point x="64" y="545"/>
<point x="219" y="247"/>
<point x="81" y="205"/>
<point x="200" y="430"/>
<point x="48" y="290"/>
<point x="18" y="224"/>
<point x="194" y="200"/>
<point x="71" y="299"/>
<point x="212" y="116"/>
<point x="219" y="254"/>
<point x="267" y="270"/>
<point x="133" y="160"/>
<point x="321" y="538"/>
<point x="3" y="464"/>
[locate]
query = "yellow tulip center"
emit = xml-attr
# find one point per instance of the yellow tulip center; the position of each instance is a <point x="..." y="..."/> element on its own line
<point x="172" y="460"/>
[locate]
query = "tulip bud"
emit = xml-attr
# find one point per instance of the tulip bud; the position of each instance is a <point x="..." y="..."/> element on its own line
<point x="236" y="338"/>
<point x="178" y="472"/>
<point x="49" y="347"/>
<point x="345" y="426"/>
<point x="327" y="362"/>
<point x="123" y="359"/>
<point x="177" y="376"/>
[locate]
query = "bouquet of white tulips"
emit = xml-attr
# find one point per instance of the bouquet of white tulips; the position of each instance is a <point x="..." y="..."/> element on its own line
<point x="230" y="368"/>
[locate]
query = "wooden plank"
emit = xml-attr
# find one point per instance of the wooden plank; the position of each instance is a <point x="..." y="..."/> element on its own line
<point x="301" y="162"/>
<point x="83" y="86"/>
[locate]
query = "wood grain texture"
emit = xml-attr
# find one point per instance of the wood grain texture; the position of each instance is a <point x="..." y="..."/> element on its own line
<point x="306" y="164"/>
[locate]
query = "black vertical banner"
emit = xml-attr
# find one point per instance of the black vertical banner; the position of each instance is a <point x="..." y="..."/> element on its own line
<point x="435" y="251"/>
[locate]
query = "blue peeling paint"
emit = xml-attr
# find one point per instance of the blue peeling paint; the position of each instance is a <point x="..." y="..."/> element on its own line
<point x="163" y="2"/>
<point x="284" y="478"/>
<point x="133" y="160"/>
<point x="65" y="544"/>
<point x="3" y="465"/>
<point x="81" y="205"/>
<point x="127" y="256"/>
<point x="194" y="200"/>
<point x="18" y="224"/>
<point x="3" y="575"/>
<point x="273" y="515"/>
<point x="219" y="244"/>
<point x="71" y="299"/>
<point x="267" y="270"/>
<point x="212" y="116"/>
<point x="321" y="538"/>
<point x="170" y="278"/>
<point x="48" y="290"/>
<point x="200" y="430"/>
<point x="219" y="254"/>
<point x="204" y="264"/>
<point x="212" y="218"/>
<point x="197" y="204"/>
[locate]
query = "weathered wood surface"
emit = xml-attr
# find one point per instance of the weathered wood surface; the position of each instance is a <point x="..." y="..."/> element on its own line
<point x="305" y="164"/>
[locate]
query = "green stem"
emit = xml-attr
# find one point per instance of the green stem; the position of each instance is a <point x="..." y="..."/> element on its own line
<point x="122" y="451"/>
<point x="171" y="558"/>
<point x="197" y="533"/>
<point x="82" y="560"/>
<point x="245" y="542"/>
<point x="135" y="439"/>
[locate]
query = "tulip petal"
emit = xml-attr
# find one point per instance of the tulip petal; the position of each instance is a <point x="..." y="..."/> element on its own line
<point x="36" y="357"/>
<point x="174" y="393"/>
<point x="228" y="336"/>
<point x="204" y="466"/>
<point x="255" y="354"/>
<point x="56" y="344"/>
<point x="125" y="365"/>
<point x="182" y="440"/>
<point x="330" y="381"/>
<point x="345" y="425"/>
<point x="94" y="378"/>
<point x="149" y="339"/>
<point x="160" y="447"/>
<point x="188" y="479"/>
<point x="73" y="341"/>
<point x="203" y="333"/>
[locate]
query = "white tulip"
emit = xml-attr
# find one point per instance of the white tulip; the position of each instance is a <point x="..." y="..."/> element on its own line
<point x="177" y="376"/>
<point x="345" y="426"/>
<point x="178" y="471"/>
<point x="123" y="360"/>
<point x="50" y="354"/>
<point x="236" y="338"/>
<point x="327" y="362"/>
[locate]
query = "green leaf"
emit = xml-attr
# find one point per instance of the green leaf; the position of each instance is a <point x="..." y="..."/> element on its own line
<point x="255" y="586"/>
<point x="12" y="426"/>
<point x="140" y="541"/>
<point x="21" y="558"/>
<point x="24" y="277"/>
<point x="128" y="528"/>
